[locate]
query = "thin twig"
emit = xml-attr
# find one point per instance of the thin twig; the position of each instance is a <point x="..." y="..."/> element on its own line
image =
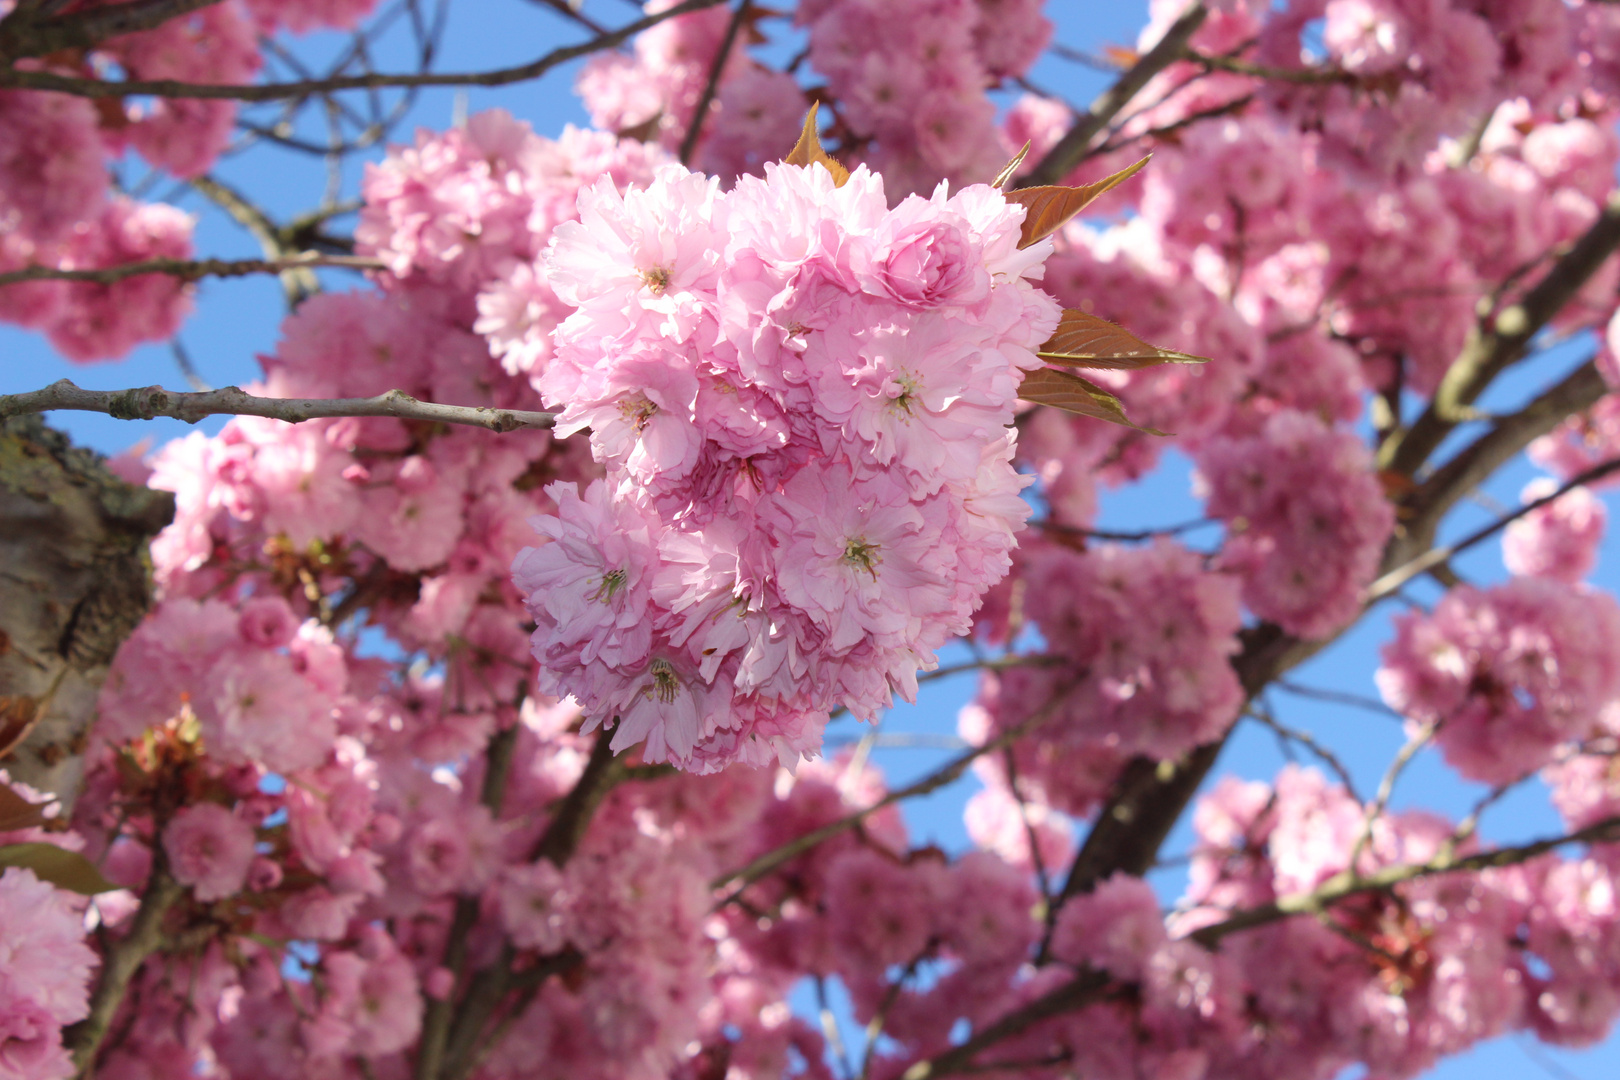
<point x="1337" y="697"/>
<point x="1305" y="75"/>
<point x="1119" y="140"/>
<point x="1124" y="537"/>
<point x="298" y="282"/>
<point x="880" y="1018"/>
<point x="1042" y="878"/>
<point x="1434" y="557"/>
<point x="149" y="402"/>
<point x="694" y="129"/>
<point x="1386" y="788"/>
<point x="946" y="774"/>
<point x="188" y="370"/>
<point x="568" y="11"/>
<point x="1075" y="146"/>
<point x="830" y="1030"/>
<point x="1307" y="740"/>
<point x="303" y="88"/>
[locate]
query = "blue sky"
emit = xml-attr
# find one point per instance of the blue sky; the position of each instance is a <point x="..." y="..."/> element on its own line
<point x="238" y="319"/>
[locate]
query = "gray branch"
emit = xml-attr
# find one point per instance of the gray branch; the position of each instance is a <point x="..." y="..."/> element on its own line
<point x="192" y="269"/>
<point x="149" y="402"/>
<point x="172" y="88"/>
<point x="1075" y="146"/>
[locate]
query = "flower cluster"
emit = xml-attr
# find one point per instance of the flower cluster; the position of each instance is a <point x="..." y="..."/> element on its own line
<point x="1505" y="675"/>
<point x="56" y="208"/>
<point x="1306" y="998"/>
<point x="656" y="92"/>
<point x="1308" y="519"/>
<point x="260" y="684"/>
<point x="801" y="398"/>
<point x="919" y="103"/>
<point x="45" y="962"/>
<point x="1138" y="643"/>
<point x="1558" y="539"/>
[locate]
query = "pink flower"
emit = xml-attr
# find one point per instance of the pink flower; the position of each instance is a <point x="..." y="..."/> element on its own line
<point x="854" y="556"/>
<point x="267" y="621"/>
<point x="209" y="849"/>
<point x="1304" y="546"/>
<point x="45" y="963"/>
<point x="52" y="162"/>
<point x="534" y="906"/>
<point x="254" y="707"/>
<point x="1507" y="674"/>
<point x="31" y="1042"/>
<point x="1117" y="927"/>
<point x="103" y="322"/>
<point x="587" y="589"/>
<point x="1560" y="539"/>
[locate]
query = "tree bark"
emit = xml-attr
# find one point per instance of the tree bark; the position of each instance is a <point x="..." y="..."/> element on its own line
<point x="75" y="579"/>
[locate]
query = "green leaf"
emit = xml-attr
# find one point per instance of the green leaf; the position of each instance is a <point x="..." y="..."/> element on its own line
<point x="63" y="868"/>
<point x="808" y="150"/>
<point x="1071" y="393"/>
<point x="1048" y="209"/>
<point x="1086" y="341"/>
<point x="17" y="812"/>
<point x="1011" y="167"/>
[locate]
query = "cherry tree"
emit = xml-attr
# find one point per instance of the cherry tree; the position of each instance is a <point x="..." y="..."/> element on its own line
<point x="460" y="708"/>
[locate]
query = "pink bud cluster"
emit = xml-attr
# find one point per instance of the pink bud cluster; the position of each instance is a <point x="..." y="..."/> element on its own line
<point x="801" y="398"/>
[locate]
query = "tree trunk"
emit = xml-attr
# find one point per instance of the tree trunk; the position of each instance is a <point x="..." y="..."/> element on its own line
<point x="75" y="579"/>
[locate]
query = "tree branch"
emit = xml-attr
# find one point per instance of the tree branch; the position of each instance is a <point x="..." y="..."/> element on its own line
<point x="192" y="269"/>
<point x="935" y="780"/>
<point x="170" y="88"/>
<point x="1084" y="989"/>
<point x="557" y="844"/>
<point x="297" y="282"/>
<point x="1347" y="883"/>
<point x="1472" y="466"/>
<point x="1491" y="350"/>
<point x="438" y="1014"/>
<point x="1394" y="579"/>
<point x="122" y="960"/>
<point x="694" y="130"/>
<point x="25" y="33"/>
<point x="562" y="836"/>
<point x="146" y="403"/>
<point x="1075" y="145"/>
